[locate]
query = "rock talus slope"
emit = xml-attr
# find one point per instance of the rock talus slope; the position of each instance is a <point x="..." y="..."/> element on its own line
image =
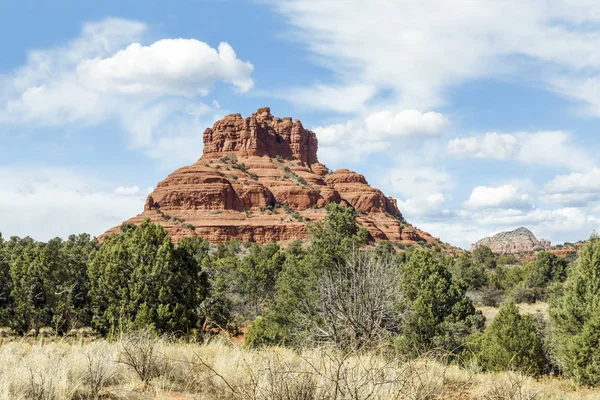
<point x="517" y="241"/>
<point x="259" y="180"/>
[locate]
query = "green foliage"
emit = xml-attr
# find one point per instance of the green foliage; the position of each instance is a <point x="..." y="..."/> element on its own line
<point x="575" y="317"/>
<point x="439" y="315"/>
<point x="507" y="259"/>
<point x="138" y="280"/>
<point x="473" y="275"/>
<point x="296" y="290"/>
<point x="49" y="282"/>
<point x="6" y="303"/>
<point x="545" y="270"/>
<point x="513" y="342"/>
<point x="506" y="278"/>
<point x="484" y="256"/>
<point x="332" y="239"/>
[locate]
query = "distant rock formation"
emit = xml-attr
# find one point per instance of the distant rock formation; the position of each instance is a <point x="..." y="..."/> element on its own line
<point x="259" y="180"/>
<point x="517" y="241"/>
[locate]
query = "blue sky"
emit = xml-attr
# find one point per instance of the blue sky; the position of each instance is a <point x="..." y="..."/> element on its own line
<point x="477" y="116"/>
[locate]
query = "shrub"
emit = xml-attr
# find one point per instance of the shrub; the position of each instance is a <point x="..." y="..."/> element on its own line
<point x="546" y="269"/>
<point x="484" y="256"/>
<point x="473" y="275"/>
<point x="139" y="352"/>
<point x="491" y="296"/>
<point x="512" y="342"/>
<point x="523" y="294"/>
<point x="440" y="315"/>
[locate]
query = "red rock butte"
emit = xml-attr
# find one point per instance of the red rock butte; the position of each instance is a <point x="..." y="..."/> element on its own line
<point x="259" y="180"/>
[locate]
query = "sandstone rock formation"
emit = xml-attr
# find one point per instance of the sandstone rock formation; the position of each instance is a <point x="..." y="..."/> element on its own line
<point x="259" y="180"/>
<point x="517" y="241"/>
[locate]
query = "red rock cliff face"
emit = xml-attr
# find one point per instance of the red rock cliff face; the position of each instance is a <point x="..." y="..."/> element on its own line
<point x="261" y="135"/>
<point x="259" y="180"/>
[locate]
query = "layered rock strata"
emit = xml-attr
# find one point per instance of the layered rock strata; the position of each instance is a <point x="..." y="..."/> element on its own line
<point x="259" y="180"/>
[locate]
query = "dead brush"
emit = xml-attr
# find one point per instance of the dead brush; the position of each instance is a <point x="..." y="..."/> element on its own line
<point x="98" y="370"/>
<point x="512" y="387"/>
<point x="139" y="352"/>
<point x="38" y="387"/>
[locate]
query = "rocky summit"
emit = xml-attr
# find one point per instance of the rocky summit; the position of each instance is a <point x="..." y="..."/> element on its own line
<point x="518" y="241"/>
<point x="259" y="180"/>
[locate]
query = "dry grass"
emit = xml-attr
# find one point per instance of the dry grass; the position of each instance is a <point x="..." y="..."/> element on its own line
<point x="540" y="308"/>
<point x="220" y="370"/>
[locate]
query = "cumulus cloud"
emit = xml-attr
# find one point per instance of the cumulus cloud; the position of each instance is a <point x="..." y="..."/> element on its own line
<point x="376" y="132"/>
<point x="549" y="148"/>
<point x="417" y="52"/>
<point x="184" y="67"/>
<point x="108" y="74"/>
<point x="49" y="202"/>
<point x="506" y="196"/>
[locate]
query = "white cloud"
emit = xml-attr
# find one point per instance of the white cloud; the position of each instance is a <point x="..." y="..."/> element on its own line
<point x="506" y="197"/>
<point x="182" y="67"/>
<point x="554" y="148"/>
<point x="430" y="206"/>
<point x="549" y="148"/>
<point x="417" y="53"/>
<point x="107" y="74"/>
<point x="48" y="202"/>
<point x="490" y="145"/>
<point x="575" y="189"/>
<point x="376" y="132"/>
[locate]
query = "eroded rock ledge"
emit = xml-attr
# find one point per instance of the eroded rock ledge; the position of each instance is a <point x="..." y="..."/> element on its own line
<point x="259" y="180"/>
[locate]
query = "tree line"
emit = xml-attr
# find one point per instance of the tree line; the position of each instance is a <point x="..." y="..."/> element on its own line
<point x="331" y="291"/>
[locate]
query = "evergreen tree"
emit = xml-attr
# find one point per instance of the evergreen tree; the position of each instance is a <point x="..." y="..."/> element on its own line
<point x="483" y="256"/>
<point x="546" y="269"/>
<point x="474" y="276"/>
<point x="138" y="279"/>
<point x="575" y="317"/>
<point x="438" y="314"/>
<point x="513" y="342"/>
<point x="6" y="303"/>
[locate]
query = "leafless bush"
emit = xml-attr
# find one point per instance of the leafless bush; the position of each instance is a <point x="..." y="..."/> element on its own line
<point x="139" y="352"/>
<point x="511" y="388"/>
<point x="39" y="387"/>
<point x="98" y="369"/>
<point x="358" y="304"/>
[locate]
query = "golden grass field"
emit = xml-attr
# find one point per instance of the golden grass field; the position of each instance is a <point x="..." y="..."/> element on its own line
<point x="146" y="368"/>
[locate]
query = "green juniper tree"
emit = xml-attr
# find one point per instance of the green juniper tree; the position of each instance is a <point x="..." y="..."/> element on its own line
<point x="513" y="342"/>
<point x="438" y="313"/>
<point x="575" y="317"/>
<point x="139" y="279"/>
